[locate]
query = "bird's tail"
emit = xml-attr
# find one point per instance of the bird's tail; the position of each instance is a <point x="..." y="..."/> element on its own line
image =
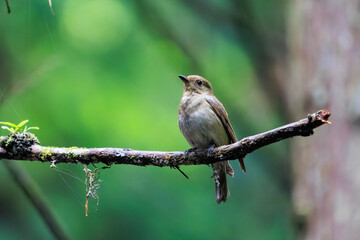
<point x="221" y="188"/>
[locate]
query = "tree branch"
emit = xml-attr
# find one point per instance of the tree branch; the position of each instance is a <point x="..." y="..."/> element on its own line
<point x="21" y="149"/>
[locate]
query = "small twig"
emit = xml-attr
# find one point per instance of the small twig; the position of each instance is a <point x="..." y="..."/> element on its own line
<point x="108" y="156"/>
<point x="7" y="5"/>
<point x="178" y="168"/>
<point x="51" y="8"/>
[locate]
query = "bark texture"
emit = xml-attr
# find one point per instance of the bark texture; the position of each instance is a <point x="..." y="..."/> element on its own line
<point x="324" y="44"/>
<point x="24" y="146"/>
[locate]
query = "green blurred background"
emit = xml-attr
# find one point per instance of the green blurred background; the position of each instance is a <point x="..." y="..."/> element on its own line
<point x="104" y="74"/>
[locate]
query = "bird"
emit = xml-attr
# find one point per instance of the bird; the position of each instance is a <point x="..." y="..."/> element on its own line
<point x="205" y="124"/>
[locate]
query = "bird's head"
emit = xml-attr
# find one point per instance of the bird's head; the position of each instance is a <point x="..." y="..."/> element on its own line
<point x="196" y="84"/>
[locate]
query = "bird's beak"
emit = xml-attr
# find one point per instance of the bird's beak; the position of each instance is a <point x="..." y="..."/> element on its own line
<point x="184" y="79"/>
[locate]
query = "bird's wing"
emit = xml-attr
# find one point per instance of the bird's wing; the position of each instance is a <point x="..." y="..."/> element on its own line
<point x="220" y="111"/>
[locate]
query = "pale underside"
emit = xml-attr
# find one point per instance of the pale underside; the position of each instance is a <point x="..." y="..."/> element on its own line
<point x="200" y="125"/>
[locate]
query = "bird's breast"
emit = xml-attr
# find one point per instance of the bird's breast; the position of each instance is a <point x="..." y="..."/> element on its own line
<point x="199" y="124"/>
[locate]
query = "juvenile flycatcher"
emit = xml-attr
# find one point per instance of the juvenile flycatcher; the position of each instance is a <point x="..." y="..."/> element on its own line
<point x="204" y="123"/>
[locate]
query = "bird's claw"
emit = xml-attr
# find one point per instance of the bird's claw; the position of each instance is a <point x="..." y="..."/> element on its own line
<point x="210" y="149"/>
<point x="190" y="150"/>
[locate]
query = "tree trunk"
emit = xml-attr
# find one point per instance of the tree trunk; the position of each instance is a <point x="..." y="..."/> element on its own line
<point x="324" y="63"/>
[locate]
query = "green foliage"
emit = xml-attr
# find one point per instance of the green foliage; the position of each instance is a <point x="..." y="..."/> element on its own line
<point x="21" y="127"/>
<point x="104" y="74"/>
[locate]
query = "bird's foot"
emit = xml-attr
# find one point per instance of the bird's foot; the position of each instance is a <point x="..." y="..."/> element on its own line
<point x="210" y="149"/>
<point x="190" y="150"/>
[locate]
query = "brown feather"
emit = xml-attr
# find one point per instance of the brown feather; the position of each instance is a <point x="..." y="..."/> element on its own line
<point x="221" y="187"/>
<point x="220" y="111"/>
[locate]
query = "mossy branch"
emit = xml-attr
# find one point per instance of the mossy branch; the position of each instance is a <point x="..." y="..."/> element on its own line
<point x="17" y="146"/>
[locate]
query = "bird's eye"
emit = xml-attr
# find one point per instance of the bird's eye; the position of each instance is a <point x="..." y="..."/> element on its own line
<point x="199" y="82"/>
